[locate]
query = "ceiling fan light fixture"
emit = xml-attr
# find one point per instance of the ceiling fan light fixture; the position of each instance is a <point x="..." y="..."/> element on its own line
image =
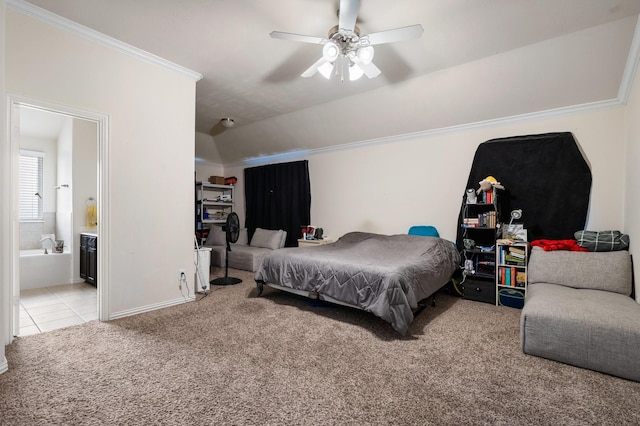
<point x="330" y="51"/>
<point x="228" y="122"/>
<point x="326" y="69"/>
<point x="365" y="54"/>
<point x="355" y="72"/>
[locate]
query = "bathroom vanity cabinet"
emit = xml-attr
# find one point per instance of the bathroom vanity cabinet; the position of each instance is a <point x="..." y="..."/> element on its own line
<point x="89" y="258"/>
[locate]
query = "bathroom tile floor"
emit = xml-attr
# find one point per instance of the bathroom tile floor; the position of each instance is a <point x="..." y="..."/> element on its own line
<point x="50" y="308"/>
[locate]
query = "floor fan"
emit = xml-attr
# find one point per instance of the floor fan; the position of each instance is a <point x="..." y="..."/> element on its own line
<point x="232" y="229"/>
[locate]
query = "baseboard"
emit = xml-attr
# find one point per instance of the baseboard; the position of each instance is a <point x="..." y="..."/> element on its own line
<point x="149" y="308"/>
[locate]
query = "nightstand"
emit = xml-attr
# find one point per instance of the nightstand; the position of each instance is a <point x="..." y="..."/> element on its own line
<point x="313" y="243"/>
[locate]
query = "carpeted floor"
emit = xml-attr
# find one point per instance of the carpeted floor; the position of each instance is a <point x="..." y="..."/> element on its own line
<point x="233" y="358"/>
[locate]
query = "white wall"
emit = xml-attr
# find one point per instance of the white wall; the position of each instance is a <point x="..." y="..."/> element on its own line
<point x="205" y="170"/>
<point x="85" y="182"/>
<point x="6" y="259"/>
<point x="632" y="187"/>
<point x="64" y="194"/>
<point x="416" y="180"/>
<point x="151" y="150"/>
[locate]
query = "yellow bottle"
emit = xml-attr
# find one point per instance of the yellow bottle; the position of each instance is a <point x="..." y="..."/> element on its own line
<point x="92" y="212"/>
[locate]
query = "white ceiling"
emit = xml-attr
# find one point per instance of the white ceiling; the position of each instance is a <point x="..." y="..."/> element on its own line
<point x="41" y="124"/>
<point x="477" y="60"/>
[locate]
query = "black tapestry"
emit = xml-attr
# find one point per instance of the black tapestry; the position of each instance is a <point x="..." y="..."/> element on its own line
<point x="278" y="196"/>
<point x="545" y="175"/>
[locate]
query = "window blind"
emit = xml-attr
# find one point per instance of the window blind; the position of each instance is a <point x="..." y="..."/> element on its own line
<point x="30" y="185"/>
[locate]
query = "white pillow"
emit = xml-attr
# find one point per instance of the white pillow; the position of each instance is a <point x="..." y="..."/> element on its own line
<point x="266" y="238"/>
<point x="216" y="237"/>
<point x="243" y="238"/>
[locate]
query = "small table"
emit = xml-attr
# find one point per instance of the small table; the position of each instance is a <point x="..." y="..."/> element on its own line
<point x="313" y="243"/>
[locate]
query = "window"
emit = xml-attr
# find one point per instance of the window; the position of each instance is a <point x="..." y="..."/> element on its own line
<point x="30" y="196"/>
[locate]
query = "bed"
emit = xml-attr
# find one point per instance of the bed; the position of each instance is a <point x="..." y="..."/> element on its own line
<point x="386" y="275"/>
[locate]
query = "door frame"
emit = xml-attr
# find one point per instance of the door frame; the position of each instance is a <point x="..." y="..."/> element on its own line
<point x="102" y="123"/>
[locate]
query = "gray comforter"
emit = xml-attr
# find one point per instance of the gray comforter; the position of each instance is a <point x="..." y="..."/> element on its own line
<point x="386" y="275"/>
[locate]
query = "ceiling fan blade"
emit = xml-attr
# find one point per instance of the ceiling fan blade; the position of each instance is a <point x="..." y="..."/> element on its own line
<point x="370" y="70"/>
<point x="390" y="36"/>
<point x="313" y="68"/>
<point x="348" y="13"/>
<point x="297" y="37"/>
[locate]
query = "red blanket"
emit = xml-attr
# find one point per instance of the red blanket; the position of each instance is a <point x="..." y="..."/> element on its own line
<point x="549" y="245"/>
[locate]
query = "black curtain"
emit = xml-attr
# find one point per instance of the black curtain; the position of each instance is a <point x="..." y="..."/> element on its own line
<point x="278" y="196"/>
<point x="545" y="175"/>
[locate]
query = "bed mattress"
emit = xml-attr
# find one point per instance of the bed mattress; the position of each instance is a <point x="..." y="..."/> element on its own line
<point x="386" y="275"/>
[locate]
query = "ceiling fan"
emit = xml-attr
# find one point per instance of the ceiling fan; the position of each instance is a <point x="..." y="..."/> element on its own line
<point x="347" y="51"/>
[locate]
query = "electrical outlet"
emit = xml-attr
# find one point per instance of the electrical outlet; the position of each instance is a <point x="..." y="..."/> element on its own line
<point x="182" y="275"/>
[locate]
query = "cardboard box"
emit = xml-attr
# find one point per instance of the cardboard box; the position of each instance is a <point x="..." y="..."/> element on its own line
<point x="218" y="180"/>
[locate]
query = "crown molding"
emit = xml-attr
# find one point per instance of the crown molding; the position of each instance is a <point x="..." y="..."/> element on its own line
<point x="203" y="162"/>
<point x="87" y="33"/>
<point x="557" y="112"/>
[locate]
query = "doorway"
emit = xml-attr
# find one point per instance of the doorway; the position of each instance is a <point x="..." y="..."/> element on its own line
<point x="70" y="210"/>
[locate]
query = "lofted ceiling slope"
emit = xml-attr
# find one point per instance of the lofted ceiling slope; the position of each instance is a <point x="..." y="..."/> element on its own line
<point x="476" y="60"/>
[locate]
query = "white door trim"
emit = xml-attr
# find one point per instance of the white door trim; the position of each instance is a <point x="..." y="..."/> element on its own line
<point x="102" y="122"/>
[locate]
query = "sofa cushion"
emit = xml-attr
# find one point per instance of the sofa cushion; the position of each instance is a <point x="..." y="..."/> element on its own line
<point x="218" y="255"/>
<point x="216" y="237"/>
<point x="247" y="258"/>
<point x="587" y="328"/>
<point x="243" y="238"/>
<point x="266" y="238"/>
<point x="609" y="271"/>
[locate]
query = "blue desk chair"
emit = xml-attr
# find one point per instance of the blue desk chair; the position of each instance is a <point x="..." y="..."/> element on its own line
<point x="425" y="231"/>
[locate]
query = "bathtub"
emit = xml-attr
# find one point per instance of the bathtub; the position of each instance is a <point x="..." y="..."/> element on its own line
<point x="39" y="270"/>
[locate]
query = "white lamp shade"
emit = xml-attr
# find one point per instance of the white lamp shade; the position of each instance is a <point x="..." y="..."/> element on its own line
<point x="365" y="54"/>
<point x="330" y="51"/>
<point x="355" y="72"/>
<point x="326" y="69"/>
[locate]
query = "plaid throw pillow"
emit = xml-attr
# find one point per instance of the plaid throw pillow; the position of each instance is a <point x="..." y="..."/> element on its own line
<point x="603" y="240"/>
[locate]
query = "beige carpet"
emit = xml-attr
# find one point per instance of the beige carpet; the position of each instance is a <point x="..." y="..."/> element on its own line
<point x="233" y="358"/>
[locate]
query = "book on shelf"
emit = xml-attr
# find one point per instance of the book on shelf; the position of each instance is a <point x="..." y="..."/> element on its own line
<point x="518" y="255"/>
<point x="471" y="222"/>
<point x="517" y="250"/>
<point x="511" y="277"/>
<point x="486" y="219"/>
<point x="487" y="196"/>
<point x="519" y="261"/>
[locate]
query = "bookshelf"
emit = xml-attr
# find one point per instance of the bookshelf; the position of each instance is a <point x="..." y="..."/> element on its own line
<point x="479" y="231"/>
<point x="511" y="273"/>
<point x="214" y="202"/>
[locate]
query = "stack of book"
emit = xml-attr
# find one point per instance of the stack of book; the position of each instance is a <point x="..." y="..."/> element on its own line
<point x="514" y="255"/>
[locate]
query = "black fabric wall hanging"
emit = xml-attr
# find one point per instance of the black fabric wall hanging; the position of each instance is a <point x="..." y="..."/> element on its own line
<point x="278" y="196"/>
<point x="545" y="175"/>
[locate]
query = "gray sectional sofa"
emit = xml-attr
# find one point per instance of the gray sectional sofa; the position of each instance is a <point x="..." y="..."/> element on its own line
<point x="244" y="255"/>
<point x="578" y="311"/>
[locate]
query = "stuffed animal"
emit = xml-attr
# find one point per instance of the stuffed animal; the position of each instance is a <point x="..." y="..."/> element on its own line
<point x="488" y="183"/>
